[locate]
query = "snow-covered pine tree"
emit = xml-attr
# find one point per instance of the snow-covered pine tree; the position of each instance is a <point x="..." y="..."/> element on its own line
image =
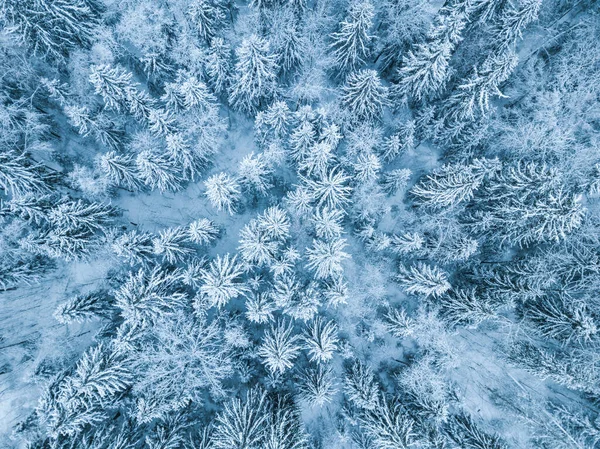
<point x="118" y="169"/>
<point x="279" y="347"/>
<point x="223" y="192"/>
<point x="242" y="423"/>
<point x="473" y="96"/>
<point x="84" y="307"/>
<point x="202" y="231"/>
<point x="325" y="258"/>
<point x="423" y="279"/>
<point x="360" y="386"/>
<point x="172" y="244"/>
<point x="320" y="340"/>
<point x="134" y="247"/>
<point x="221" y="280"/>
<point x="351" y="43"/>
<point x="157" y="171"/>
<point x="330" y="190"/>
<point x="53" y="28"/>
<point x="395" y="180"/>
<point x="453" y="184"/>
<point x="20" y="176"/>
<point x="218" y="65"/>
<point x="328" y="223"/>
<point x="255" y="76"/>
<point x="364" y="95"/>
<point x="254" y="174"/>
<point x="317" y="386"/>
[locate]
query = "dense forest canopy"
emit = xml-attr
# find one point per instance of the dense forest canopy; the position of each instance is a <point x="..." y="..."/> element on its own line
<point x="299" y="224"/>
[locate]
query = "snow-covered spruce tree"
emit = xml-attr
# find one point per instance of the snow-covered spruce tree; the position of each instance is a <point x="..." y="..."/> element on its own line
<point x="53" y="28"/>
<point x="19" y="175"/>
<point x="389" y="425"/>
<point x="328" y="223"/>
<point x="256" y="247"/>
<point x="202" y="231"/>
<point x="360" y="386"/>
<point x="148" y="295"/>
<point x="157" y="171"/>
<point x="395" y="180"/>
<point x="473" y="95"/>
<point x="82" y="308"/>
<point x="285" y="429"/>
<point x="406" y="243"/>
<point x="254" y="174"/>
<point x="71" y="216"/>
<point x="134" y="247"/>
<point x="527" y="203"/>
<point x="119" y="92"/>
<point x="25" y="270"/>
<point x="399" y="142"/>
<point x="76" y="398"/>
<point x="301" y="139"/>
<point x="221" y="280"/>
<point x="206" y="17"/>
<point x="325" y="258"/>
<point x="29" y="207"/>
<point x="564" y="319"/>
<point x="172" y="244"/>
<point x="259" y="308"/>
<point x="185" y="358"/>
<point x="425" y="71"/>
<point x="317" y="386"/>
<point x="275" y="222"/>
<point x="320" y="340"/>
<point x="465" y="432"/>
<point x="330" y="190"/>
<point x="119" y="169"/>
<point x="423" y="279"/>
<point x="510" y="25"/>
<point x="468" y="307"/>
<point x="453" y="184"/>
<point x="275" y="121"/>
<point x="364" y="95"/>
<point x="255" y="75"/>
<point x="351" y="43"/>
<point x="223" y="192"/>
<point x="279" y="347"/>
<point x="291" y="49"/>
<point x="218" y="65"/>
<point x="242" y="424"/>
<point x="366" y="168"/>
<point x="317" y="160"/>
